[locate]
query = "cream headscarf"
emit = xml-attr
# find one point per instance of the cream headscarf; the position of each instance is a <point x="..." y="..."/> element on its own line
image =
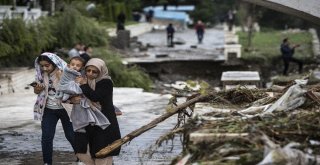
<point x="103" y="71"/>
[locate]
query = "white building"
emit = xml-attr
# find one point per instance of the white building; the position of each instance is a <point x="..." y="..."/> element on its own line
<point x="23" y="12"/>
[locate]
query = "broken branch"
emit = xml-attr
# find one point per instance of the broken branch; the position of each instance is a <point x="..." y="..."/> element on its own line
<point x="105" y="151"/>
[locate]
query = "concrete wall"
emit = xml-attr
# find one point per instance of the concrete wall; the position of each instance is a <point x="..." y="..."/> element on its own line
<point x="135" y="30"/>
<point x="16" y="80"/>
<point x="305" y="9"/>
<point x="315" y="43"/>
<point x="308" y="6"/>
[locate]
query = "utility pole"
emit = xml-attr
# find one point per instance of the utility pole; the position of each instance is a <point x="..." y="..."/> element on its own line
<point x="35" y="4"/>
<point x="14" y="4"/>
<point x="52" y="9"/>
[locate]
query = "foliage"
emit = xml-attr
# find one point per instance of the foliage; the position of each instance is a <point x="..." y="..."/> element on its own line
<point x="81" y="5"/>
<point x="122" y="75"/>
<point x="278" y="20"/>
<point x="266" y="45"/>
<point x="71" y="27"/>
<point x="5" y="2"/>
<point x="211" y="11"/>
<point x="107" y="11"/>
<point x="21" y="42"/>
<point x="203" y="11"/>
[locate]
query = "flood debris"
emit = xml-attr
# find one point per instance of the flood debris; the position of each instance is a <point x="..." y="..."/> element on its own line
<point x="275" y="154"/>
<point x="242" y="125"/>
<point x="103" y="152"/>
<point x="248" y="126"/>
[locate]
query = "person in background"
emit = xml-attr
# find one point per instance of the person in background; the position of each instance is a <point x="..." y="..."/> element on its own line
<point x="170" y="34"/>
<point x="75" y="50"/>
<point x="87" y="53"/>
<point x="136" y="16"/>
<point x="121" y="19"/>
<point x="149" y="15"/>
<point x="230" y="19"/>
<point x="287" y="55"/>
<point x="81" y="50"/>
<point x="199" y="27"/>
<point x="48" y="109"/>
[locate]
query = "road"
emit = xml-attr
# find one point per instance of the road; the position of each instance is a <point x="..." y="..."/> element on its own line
<point x="20" y="135"/>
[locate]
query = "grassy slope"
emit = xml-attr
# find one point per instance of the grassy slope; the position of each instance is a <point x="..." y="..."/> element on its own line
<point x="265" y="45"/>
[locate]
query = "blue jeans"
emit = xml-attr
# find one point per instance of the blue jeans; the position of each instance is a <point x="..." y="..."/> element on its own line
<point x="200" y="36"/>
<point x="48" y="126"/>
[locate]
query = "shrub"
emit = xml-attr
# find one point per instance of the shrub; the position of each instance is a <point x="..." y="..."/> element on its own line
<point x="70" y="27"/>
<point x="21" y="43"/>
<point x="266" y="45"/>
<point x="122" y="75"/>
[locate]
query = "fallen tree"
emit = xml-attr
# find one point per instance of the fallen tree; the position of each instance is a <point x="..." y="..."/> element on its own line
<point x="103" y="152"/>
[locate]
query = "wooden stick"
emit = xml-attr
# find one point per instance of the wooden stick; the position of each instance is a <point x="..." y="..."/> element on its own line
<point x="313" y="96"/>
<point x="105" y="151"/>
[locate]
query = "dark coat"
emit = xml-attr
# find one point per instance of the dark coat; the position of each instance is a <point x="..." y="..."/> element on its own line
<point x="286" y="51"/>
<point x="95" y="136"/>
<point x="170" y="30"/>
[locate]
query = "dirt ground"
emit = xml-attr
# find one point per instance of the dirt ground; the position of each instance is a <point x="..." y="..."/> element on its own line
<point x="34" y="158"/>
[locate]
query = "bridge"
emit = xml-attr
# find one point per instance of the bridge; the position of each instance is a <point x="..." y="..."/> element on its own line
<point x="305" y="9"/>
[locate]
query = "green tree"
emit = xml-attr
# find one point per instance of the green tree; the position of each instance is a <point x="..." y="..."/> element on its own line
<point x="71" y="27"/>
<point x="21" y="42"/>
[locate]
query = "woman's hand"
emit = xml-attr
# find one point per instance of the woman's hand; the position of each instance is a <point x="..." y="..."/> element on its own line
<point x="81" y="80"/>
<point x="75" y="99"/>
<point x="38" y="88"/>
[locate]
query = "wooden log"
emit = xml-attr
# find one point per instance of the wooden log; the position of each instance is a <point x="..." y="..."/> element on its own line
<point x="103" y="152"/>
<point x="315" y="96"/>
<point x="197" y="137"/>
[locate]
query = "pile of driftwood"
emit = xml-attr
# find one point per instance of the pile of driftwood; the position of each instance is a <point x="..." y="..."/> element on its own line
<point x="279" y="125"/>
<point x="258" y="129"/>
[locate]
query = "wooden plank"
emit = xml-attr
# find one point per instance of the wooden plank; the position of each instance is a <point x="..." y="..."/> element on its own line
<point x="241" y="86"/>
<point x="240" y="76"/>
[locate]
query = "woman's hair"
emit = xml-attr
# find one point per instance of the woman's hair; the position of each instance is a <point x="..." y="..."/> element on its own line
<point x="45" y="58"/>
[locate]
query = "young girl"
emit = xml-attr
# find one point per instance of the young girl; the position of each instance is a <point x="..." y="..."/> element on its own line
<point x="48" y="108"/>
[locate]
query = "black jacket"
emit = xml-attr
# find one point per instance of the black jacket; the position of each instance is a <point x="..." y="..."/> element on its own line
<point x="97" y="137"/>
<point x="286" y="51"/>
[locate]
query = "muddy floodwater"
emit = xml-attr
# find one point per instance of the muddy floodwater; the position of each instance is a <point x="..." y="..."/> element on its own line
<point x="20" y="135"/>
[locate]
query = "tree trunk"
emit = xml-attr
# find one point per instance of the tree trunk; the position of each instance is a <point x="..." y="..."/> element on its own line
<point x="14" y="4"/>
<point x="103" y="152"/>
<point x="52" y="7"/>
<point x="249" y="25"/>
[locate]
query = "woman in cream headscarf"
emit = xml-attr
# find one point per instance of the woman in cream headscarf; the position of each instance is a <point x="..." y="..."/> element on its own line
<point x="98" y="88"/>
